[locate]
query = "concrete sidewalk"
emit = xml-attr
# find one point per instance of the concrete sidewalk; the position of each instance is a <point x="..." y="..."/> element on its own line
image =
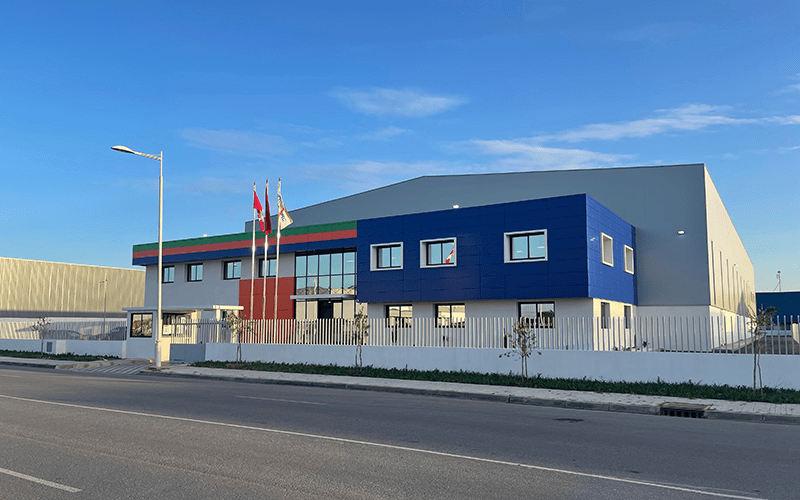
<point x="628" y="403"/>
<point x="65" y="365"/>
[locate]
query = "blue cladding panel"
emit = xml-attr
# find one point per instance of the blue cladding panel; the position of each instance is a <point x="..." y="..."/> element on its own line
<point x="481" y="272"/>
<point x="606" y="282"/>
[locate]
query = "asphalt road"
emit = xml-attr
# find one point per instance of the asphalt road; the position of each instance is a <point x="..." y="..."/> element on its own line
<point x="96" y="436"/>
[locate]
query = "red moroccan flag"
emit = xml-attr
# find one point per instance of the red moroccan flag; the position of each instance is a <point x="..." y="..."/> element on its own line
<point x="259" y="210"/>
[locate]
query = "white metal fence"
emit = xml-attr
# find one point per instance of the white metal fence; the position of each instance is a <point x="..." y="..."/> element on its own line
<point x="66" y="330"/>
<point x="661" y="334"/>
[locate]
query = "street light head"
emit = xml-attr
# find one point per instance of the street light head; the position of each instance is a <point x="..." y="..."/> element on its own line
<point x="123" y="149"/>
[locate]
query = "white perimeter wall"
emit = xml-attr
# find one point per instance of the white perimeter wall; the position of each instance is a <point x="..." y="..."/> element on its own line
<point x="731" y="369"/>
<point x="115" y="348"/>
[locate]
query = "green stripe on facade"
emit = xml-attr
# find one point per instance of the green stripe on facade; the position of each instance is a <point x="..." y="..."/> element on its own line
<point x="227" y="238"/>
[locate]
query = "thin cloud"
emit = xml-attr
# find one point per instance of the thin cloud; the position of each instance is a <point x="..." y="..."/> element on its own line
<point x="360" y="175"/>
<point x="382" y="134"/>
<point x="237" y="142"/>
<point x="393" y="102"/>
<point x="689" y="117"/>
<point x="524" y="155"/>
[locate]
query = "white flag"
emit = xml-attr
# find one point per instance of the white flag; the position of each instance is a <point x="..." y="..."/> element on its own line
<point x="283" y="216"/>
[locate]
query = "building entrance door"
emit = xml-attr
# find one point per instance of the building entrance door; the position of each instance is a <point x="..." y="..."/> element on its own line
<point x="325" y="309"/>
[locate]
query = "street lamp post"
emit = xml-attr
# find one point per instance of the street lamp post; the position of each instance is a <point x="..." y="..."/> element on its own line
<point x="160" y="158"/>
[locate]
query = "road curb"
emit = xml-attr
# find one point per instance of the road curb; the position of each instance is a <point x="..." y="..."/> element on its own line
<point x="91" y="364"/>
<point x="500" y="398"/>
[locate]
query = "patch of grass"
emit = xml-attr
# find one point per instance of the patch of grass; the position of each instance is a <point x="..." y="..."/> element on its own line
<point x="682" y="390"/>
<point x="60" y="357"/>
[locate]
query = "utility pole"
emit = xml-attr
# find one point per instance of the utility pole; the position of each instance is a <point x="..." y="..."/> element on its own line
<point x="105" y="295"/>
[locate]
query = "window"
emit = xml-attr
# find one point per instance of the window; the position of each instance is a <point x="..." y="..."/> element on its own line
<point x="271" y="267"/>
<point x="194" y="272"/>
<point x="541" y="314"/>
<point x="325" y="274"/>
<point x="435" y="253"/>
<point x="450" y="315"/>
<point x="399" y="315"/>
<point x="607" y="249"/>
<point x="142" y="325"/>
<point x="233" y="270"/>
<point x="386" y="256"/>
<point x="605" y="314"/>
<point x="528" y="246"/>
<point x="628" y="316"/>
<point x="629" y="259"/>
<point x="169" y="274"/>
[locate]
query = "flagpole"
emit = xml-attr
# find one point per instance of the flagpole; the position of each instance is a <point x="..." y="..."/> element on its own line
<point x="266" y="262"/>
<point x="277" y="261"/>
<point x="283" y="221"/>
<point x="253" y="254"/>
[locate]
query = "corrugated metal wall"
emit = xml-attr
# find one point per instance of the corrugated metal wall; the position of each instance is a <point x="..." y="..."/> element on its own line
<point x="29" y="288"/>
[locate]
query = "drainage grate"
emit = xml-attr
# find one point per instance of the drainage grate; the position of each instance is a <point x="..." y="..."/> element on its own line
<point x="683" y="410"/>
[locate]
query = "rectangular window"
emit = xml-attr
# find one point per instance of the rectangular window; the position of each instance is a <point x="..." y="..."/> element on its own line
<point x="232" y="270"/>
<point x="628" y="314"/>
<point x="399" y="315"/>
<point x="605" y="314"/>
<point x="450" y="315"/>
<point x="527" y="246"/>
<point x="142" y="325"/>
<point x="607" y="249"/>
<point x="386" y="256"/>
<point x="435" y="253"/>
<point x="541" y="314"/>
<point x="325" y="273"/>
<point x="169" y="274"/>
<point x="271" y="265"/>
<point x="628" y="259"/>
<point x="194" y="272"/>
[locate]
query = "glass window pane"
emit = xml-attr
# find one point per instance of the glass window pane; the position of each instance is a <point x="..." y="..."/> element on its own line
<point x="324" y="285"/>
<point x="312" y="265"/>
<point x="434" y="253"/>
<point x="519" y="247"/>
<point x="336" y="284"/>
<point x="273" y="267"/>
<point x="336" y="263"/>
<point x="527" y="310"/>
<point x="349" y="284"/>
<point x="300" y="286"/>
<point x="392" y="311"/>
<point x="397" y="256"/>
<point x="325" y="264"/>
<point x="547" y="315"/>
<point x="458" y="314"/>
<point x="448" y="252"/>
<point x="538" y="246"/>
<point x="349" y="262"/>
<point x="384" y="257"/>
<point x="300" y="265"/>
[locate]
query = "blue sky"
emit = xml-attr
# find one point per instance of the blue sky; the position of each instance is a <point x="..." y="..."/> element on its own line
<point x="338" y="97"/>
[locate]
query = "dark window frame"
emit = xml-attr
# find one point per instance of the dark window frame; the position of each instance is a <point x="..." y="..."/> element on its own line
<point x="529" y="255"/>
<point x="541" y="319"/>
<point x="451" y="322"/>
<point x="225" y="269"/>
<point x="193" y="276"/>
<point x="164" y="273"/>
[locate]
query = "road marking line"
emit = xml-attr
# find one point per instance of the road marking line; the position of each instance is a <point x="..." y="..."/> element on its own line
<point x="40" y="481"/>
<point x="284" y="400"/>
<point x="392" y="447"/>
